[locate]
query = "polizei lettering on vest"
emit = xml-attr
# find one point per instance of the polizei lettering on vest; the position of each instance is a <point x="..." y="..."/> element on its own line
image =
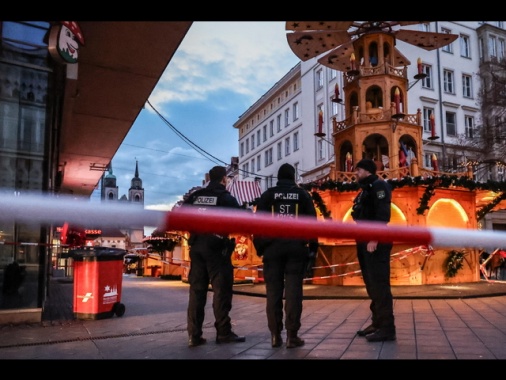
<point x="294" y="196"/>
<point x="203" y="200"/>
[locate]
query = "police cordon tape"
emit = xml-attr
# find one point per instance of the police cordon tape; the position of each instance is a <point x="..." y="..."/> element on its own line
<point x="225" y="221"/>
<point x="54" y="210"/>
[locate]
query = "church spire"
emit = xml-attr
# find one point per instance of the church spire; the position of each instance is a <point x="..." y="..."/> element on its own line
<point x="136" y="181"/>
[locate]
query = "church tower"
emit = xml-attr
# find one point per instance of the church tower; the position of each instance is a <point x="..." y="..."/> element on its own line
<point x="136" y="191"/>
<point x="109" y="188"/>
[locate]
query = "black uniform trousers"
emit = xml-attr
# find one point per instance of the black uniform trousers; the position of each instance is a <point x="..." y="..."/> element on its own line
<point x="210" y="266"/>
<point x="284" y="266"/>
<point x="375" y="267"/>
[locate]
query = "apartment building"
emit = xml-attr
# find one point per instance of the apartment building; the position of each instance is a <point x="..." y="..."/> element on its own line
<point x="293" y="121"/>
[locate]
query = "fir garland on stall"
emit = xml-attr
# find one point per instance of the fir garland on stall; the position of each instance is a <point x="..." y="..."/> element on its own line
<point x="321" y="205"/>
<point x="432" y="183"/>
<point x="486" y="209"/>
<point x="424" y="201"/>
<point x="454" y="263"/>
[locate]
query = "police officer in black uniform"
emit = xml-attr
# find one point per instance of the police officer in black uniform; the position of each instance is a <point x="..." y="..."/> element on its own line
<point x="372" y="204"/>
<point x="210" y="256"/>
<point x="285" y="260"/>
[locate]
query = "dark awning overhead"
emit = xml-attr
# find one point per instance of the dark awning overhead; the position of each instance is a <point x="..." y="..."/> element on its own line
<point x="118" y="68"/>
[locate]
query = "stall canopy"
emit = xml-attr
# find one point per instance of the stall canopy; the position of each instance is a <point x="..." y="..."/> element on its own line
<point x="244" y="191"/>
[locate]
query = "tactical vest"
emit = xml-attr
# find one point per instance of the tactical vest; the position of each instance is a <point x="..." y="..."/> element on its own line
<point x="285" y="204"/>
<point x="203" y="199"/>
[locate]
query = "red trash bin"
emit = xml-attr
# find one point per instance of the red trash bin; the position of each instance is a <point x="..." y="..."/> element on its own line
<point x="98" y="278"/>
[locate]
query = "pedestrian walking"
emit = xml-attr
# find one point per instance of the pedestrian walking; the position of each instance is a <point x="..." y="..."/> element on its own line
<point x="210" y="261"/>
<point x="372" y="204"/>
<point x="285" y="260"/>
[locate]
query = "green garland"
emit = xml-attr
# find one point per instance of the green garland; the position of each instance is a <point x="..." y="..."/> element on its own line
<point x="321" y="205"/>
<point x="486" y="209"/>
<point x="424" y="201"/>
<point x="443" y="181"/>
<point x="454" y="263"/>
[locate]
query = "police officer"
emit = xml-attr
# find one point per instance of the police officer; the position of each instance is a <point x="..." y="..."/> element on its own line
<point x="210" y="256"/>
<point x="285" y="260"/>
<point x="372" y="204"/>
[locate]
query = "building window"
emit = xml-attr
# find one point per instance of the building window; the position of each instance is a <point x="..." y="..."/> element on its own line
<point x="278" y="122"/>
<point x="280" y="151"/>
<point x="247" y="145"/>
<point x="427" y="81"/>
<point x="465" y="47"/>
<point x="424" y="27"/>
<point x="296" y="111"/>
<point x="481" y="49"/>
<point x="264" y="130"/>
<point x="335" y="106"/>
<point x="258" y="137"/>
<point x="268" y="157"/>
<point x="332" y="73"/>
<point x="451" y="127"/>
<point x="269" y="181"/>
<point x="252" y="141"/>
<point x="319" y="79"/>
<point x="321" y="153"/>
<point x="447" y="48"/>
<point x="296" y="141"/>
<point x="501" y="53"/>
<point x="492" y="47"/>
<point x="287" y="115"/>
<point x="271" y="128"/>
<point x="258" y="163"/>
<point x="245" y="170"/>
<point x="500" y="173"/>
<point x="242" y="149"/>
<point x="448" y="81"/>
<point x="426" y="118"/>
<point x="287" y="146"/>
<point x="467" y="91"/>
<point x="469" y="122"/>
<point x="428" y="160"/>
<point x="252" y="166"/>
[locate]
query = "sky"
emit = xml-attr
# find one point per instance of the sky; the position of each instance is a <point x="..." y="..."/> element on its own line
<point x="219" y="70"/>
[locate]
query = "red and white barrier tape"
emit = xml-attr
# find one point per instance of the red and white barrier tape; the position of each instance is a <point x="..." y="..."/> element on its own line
<point x="83" y="212"/>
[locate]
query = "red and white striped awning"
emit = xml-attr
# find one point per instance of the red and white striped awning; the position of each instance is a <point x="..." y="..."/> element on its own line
<point x="244" y="191"/>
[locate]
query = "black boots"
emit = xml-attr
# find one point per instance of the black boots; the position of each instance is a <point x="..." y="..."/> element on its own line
<point x="276" y="340"/>
<point x="381" y="335"/>
<point x="292" y="340"/>
<point x="196" y="341"/>
<point x="368" y="330"/>
<point x="231" y="337"/>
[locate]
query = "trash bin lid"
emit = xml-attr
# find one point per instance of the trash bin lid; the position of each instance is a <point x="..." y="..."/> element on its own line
<point x="97" y="253"/>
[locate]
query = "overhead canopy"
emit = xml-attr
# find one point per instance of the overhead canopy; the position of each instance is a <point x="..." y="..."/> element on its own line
<point x="118" y="68"/>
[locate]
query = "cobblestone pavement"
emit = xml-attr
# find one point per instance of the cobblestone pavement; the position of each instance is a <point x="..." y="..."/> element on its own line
<point x="451" y="327"/>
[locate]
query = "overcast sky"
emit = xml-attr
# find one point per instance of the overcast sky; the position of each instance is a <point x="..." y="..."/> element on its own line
<point x="219" y="71"/>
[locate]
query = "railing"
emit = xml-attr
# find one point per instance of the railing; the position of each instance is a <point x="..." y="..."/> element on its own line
<point x="395" y="173"/>
<point x="377" y="70"/>
<point x="374" y="115"/>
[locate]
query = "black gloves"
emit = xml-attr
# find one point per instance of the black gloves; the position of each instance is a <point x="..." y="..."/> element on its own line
<point x="311" y="259"/>
<point x="229" y="247"/>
